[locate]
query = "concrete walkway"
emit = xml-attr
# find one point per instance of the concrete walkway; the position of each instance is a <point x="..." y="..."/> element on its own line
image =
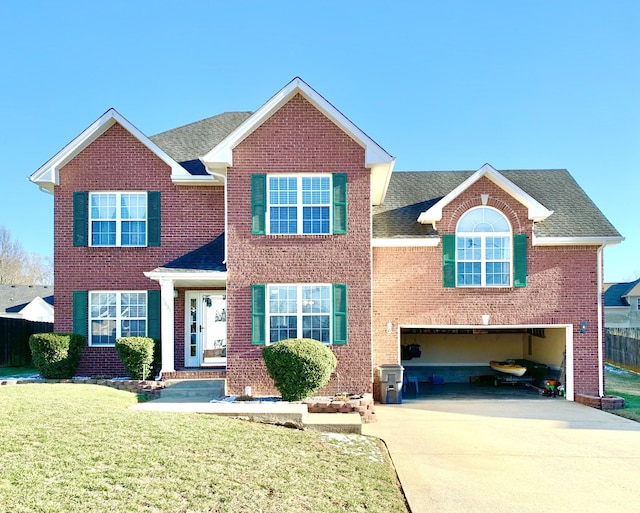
<point x="515" y="456"/>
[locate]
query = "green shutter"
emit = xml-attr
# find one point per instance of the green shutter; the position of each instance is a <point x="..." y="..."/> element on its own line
<point x="520" y="260"/>
<point x="339" y="203"/>
<point x="258" y="204"/>
<point x="258" y="315"/>
<point x="153" y="221"/>
<point x="339" y="314"/>
<point x="80" y="219"/>
<point x="449" y="260"/>
<point x="80" y="312"/>
<point x="153" y="314"/>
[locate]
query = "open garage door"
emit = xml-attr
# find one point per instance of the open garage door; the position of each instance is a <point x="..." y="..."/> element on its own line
<point x="440" y="355"/>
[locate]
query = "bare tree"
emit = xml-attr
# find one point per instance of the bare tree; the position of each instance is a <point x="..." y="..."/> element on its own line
<point x="20" y="268"/>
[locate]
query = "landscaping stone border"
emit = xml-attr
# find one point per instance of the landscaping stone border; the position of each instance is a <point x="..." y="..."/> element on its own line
<point x="608" y="402"/>
<point x="145" y="387"/>
<point x="364" y="406"/>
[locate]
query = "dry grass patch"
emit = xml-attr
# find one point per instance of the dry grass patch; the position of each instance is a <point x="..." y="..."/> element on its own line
<point x="76" y="447"/>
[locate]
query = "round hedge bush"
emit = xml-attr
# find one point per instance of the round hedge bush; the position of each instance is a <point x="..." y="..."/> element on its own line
<point x="299" y="366"/>
<point x="137" y="355"/>
<point x="56" y="355"/>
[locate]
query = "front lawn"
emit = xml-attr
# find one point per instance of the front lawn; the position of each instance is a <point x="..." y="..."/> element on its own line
<point x="77" y="447"/>
<point x="625" y="384"/>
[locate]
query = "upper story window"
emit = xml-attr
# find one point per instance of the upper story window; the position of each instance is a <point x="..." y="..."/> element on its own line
<point x="118" y="218"/>
<point x="638" y="304"/>
<point x="299" y="204"/>
<point x="483" y="249"/>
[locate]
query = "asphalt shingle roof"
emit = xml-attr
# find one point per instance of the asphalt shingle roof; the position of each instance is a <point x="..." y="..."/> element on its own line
<point x="410" y="193"/>
<point x="14" y="298"/>
<point x="187" y="143"/>
<point x="209" y="257"/>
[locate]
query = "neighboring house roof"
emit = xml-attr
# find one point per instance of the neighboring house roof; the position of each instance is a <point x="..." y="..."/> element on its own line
<point x="15" y="300"/>
<point x="186" y="144"/>
<point x="615" y="294"/>
<point x="574" y="219"/>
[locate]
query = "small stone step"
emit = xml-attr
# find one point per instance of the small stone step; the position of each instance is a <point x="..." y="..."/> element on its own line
<point x="199" y="390"/>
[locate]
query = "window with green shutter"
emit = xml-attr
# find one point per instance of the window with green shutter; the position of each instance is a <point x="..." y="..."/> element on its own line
<point x="258" y="204"/>
<point x="339" y="203"/>
<point x="484" y="252"/>
<point x="283" y="311"/>
<point x="80" y="219"/>
<point x="80" y="312"/>
<point x="258" y="314"/>
<point x="153" y="314"/>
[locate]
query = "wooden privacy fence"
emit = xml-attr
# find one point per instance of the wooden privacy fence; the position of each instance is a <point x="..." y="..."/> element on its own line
<point x="14" y="340"/>
<point x="623" y="347"/>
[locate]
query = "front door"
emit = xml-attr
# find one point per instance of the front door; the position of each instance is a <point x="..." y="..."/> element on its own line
<point x="206" y="333"/>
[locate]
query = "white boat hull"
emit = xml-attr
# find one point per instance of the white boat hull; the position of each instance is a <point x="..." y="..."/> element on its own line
<point x="508" y="368"/>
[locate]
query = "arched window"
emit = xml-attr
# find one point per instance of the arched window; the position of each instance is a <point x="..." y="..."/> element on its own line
<point x="483" y="249"/>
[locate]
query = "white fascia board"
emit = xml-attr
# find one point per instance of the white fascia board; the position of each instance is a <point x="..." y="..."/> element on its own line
<point x="425" y="242"/>
<point x="47" y="176"/>
<point x="209" y="180"/>
<point x="536" y="211"/>
<point x="221" y="157"/>
<point x="575" y="241"/>
<point x="186" y="276"/>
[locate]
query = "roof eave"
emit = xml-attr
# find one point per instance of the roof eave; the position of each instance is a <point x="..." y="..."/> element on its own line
<point x="48" y="175"/>
<point x="575" y="241"/>
<point x="536" y="211"/>
<point x="377" y="159"/>
<point x="418" y="242"/>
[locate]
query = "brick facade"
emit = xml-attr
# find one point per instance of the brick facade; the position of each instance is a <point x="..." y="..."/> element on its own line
<point x="401" y="285"/>
<point x="561" y="288"/>
<point x="299" y="139"/>
<point x="116" y="161"/>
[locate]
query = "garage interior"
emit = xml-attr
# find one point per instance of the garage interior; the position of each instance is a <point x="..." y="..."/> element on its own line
<point x="454" y="361"/>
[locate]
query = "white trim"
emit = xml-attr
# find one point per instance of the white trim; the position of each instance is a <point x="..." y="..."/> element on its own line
<point x="210" y="180"/>
<point x="182" y="278"/>
<point x="427" y="242"/>
<point x="537" y="211"/>
<point x="118" y="314"/>
<point x="379" y="161"/>
<point x="167" y="325"/>
<point x="575" y="241"/>
<point x="569" y="370"/>
<point x="197" y="295"/>
<point x="600" y="320"/>
<point x="47" y="176"/>
<point x="118" y="220"/>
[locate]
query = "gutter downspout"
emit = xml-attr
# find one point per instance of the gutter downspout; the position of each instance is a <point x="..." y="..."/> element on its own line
<point x="600" y="327"/>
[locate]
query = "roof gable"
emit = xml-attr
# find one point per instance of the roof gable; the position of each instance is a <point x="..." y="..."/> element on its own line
<point x="378" y="160"/>
<point x="617" y="294"/>
<point x="48" y="175"/>
<point x="537" y="211"/>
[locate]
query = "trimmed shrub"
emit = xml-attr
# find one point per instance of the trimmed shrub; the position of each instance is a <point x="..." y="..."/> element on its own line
<point x="299" y="367"/>
<point x="56" y="355"/>
<point x="136" y="354"/>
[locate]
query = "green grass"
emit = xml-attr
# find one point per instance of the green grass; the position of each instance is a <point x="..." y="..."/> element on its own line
<point x="77" y="447"/>
<point x="625" y="384"/>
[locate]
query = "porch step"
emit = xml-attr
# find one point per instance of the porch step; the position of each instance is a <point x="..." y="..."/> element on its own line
<point x="196" y="390"/>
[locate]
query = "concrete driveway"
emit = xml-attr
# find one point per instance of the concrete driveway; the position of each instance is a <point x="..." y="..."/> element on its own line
<point x="520" y="455"/>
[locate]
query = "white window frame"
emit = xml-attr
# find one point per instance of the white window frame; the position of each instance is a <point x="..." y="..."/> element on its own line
<point x="483" y="261"/>
<point x="118" y="318"/>
<point x="299" y="205"/>
<point x="299" y="314"/>
<point x="118" y="220"/>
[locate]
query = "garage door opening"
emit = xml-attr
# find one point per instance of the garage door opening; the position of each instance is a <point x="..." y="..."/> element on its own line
<point x="441" y="360"/>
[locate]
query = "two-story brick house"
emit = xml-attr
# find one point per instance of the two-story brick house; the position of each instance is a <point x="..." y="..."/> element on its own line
<point x="247" y="228"/>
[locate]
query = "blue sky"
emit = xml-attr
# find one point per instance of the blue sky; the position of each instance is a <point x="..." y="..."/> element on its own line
<point x="440" y="85"/>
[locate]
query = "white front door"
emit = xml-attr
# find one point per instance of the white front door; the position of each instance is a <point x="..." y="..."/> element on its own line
<point x="206" y="329"/>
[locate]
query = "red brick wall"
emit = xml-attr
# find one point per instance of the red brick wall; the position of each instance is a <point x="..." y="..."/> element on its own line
<point x="561" y="289"/>
<point x="298" y="139"/>
<point x="117" y="161"/>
